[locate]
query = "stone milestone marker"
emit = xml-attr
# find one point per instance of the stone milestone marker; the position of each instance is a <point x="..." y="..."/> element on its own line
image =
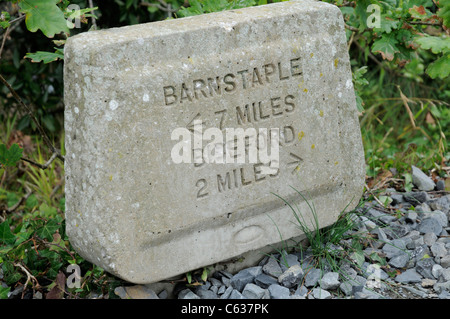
<point x="144" y="202"/>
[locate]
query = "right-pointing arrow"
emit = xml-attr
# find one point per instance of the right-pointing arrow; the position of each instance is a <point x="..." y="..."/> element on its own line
<point x="295" y="163"/>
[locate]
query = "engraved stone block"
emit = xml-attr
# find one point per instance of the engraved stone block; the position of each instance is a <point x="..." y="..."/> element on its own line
<point x="167" y="124"/>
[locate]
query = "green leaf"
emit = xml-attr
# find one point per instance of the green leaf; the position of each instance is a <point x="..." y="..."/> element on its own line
<point x="386" y="200"/>
<point x="387" y="24"/>
<point x="4" y="292"/>
<point x="11" y="199"/>
<point x="205" y="274"/>
<point x="44" y="56"/>
<point x="440" y="68"/>
<point x="6" y="236"/>
<point x="408" y="182"/>
<point x="189" y="277"/>
<point x="47" y="211"/>
<point x="78" y="14"/>
<point x="31" y="202"/>
<point x="436" y="44"/>
<point x="386" y="46"/>
<point x="48" y="229"/>
<point x="444" y="12"/>
<point x="4" y="19"/>
<point x="360" y="82"/>
<point x="10" y="274"/>
<point x="358" y="257"/>
<point x="10" y="157"/>
<point x="44" y="15"/>
<point x="375" y="257"/>
<point x="200" y="7"/>
<point x="361" y="12"/>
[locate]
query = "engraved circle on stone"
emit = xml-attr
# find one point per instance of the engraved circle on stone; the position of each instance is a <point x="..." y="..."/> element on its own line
<point x="248" y="235"/>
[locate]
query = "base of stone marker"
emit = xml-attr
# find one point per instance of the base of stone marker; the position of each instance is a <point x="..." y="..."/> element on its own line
<point x="246" y="260"/>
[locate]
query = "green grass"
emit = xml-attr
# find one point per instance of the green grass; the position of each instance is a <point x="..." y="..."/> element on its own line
<point x="34" y="248"/>
<point x="405" y="122"/>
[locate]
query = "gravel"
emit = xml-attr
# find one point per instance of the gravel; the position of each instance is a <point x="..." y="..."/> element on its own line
<point x="408" y="257"/>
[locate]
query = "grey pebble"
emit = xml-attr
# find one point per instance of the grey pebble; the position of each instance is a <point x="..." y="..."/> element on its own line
<point x="445" y="261"/>
<point x="278" y="292"/>
<point x="187" y="294"/>
<point x="312" y="277"/>
<point x="252" y="291"/>
<point x="221" y="289"/>
<point x="163" y="294"/>
<point x="244" y="277"/>
<point x="206" y="294"/>
<point x="430" y="225"/>
<point x="329" y="281"/>
<point x="265" y="281"/>
<point x="409" y="276"/>
<point x="438" y="249"/>
<point x="272" y="268"/>
<point x="301" y="291"/>
<point x="421" y="180"/>
<point x="425" y="267"/>
<point x="215" y="282"/>
<point x="436" y="270"/>
<point x="441" y="203"/>
<point x="440" y="185"/>
<point x="399" y="261"/>
<point x="236" y="295"/>
<point x="429" y="238"/>
<point x="320" y="293"/>
<point x="288" y="261"/>
<point x="227" y="293"/>
<point x="292" y="276"/>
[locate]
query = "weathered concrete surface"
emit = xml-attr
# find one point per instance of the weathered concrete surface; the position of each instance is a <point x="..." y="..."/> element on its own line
<point x="131" y="210"/>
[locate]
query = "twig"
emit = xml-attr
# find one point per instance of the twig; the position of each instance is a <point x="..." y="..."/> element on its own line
<point x="5" y="35"/>
<point x="17" y="19"/>
<point x="8" y="31"/>
<point x="371" y="56"/>
<point x="55" y="189"/>
<point x="42" y="166"/>
<point x="162" y="6"/>
<point x="349" y="27"/>
<point x="30" y="277"/>
<point x="347" y="4"/>
<point x="425" y="23"/>
<point x="376" y="199"/>
<point x="94" y="23"/>
<point x="45" y="242"/>
<point x="350" y="41"/>
<point x="24" y="198"/>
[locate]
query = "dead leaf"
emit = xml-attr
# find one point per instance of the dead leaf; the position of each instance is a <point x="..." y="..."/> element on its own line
<point x="430" y="119"/>
<point x="57" y="292"/>
<point x="405" y="103"/>
<point x="381" y="178"/>
<point x="420" y="10"/>
<point x="24" y="141"/>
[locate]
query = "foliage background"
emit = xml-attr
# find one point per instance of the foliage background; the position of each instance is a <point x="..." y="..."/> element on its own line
<point x="401" y="74"/>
